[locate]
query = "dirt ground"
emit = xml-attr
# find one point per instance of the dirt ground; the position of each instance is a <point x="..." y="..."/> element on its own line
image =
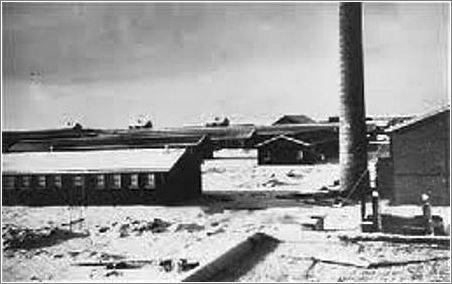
<point x="240" y="198"/>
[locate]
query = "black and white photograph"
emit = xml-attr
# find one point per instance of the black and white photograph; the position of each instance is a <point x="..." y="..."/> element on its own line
<point x="225" y="141"/>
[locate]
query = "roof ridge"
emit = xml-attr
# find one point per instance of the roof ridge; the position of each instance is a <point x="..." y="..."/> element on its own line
<point x="282" y="136"/>
<point x="420" y="117"/>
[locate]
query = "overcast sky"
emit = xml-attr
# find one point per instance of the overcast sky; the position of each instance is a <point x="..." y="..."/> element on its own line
<point x="105" y="64"/>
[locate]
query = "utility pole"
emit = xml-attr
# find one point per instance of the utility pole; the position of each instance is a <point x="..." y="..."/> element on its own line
<point x="352" y="134"/>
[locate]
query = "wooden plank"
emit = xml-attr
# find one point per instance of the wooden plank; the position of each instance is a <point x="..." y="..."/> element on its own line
<point x="436" y="240"/>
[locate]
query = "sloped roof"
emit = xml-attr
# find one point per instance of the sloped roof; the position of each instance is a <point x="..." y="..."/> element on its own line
<point x="231" y="132"/>
<point x="283" y="137"/>
<point x="293" y="129"/>
<point x="50" y="133"/>
<point x="419" y="118"/>
<point x="294" y="119"/>
<point x="154" y="160"/>
<point x="29" y="146"/>
<point x="155" y="140"/>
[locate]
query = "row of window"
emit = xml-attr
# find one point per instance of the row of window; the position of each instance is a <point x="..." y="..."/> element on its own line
<point x="100" y="182"/>
<point x="268" y="156"/>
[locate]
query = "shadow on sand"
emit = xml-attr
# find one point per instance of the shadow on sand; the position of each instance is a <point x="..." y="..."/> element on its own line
<point x="237" y="261"/>
<point x="217" y="201"/>
<point x="213" y="202"/>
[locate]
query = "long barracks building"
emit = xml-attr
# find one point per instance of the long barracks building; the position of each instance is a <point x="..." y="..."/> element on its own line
<point x="106" y="177"/>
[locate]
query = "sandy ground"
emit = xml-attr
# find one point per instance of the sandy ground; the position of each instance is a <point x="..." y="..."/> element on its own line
<point x="240" y="199"/>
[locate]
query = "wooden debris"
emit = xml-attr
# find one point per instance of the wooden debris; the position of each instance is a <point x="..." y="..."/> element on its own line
<point x="18" y="237"/>
<point x="357" y="264"/>
<point x="308" y="271"/>
<point x="73" y="222"/>
<point x="167" y="264"/>
<point x="124" y="264"/>
<point x="184" y="265"/>
<point x="437" y="240"/>
<point x="315" y="223"/>
<point x="366" y="264"/>
<point x="406" y="262"/>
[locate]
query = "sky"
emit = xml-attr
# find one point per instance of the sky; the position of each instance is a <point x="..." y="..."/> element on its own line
<point x="107" y="64"/>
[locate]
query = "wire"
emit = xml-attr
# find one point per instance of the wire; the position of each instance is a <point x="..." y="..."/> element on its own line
<point x="355" y="186"/>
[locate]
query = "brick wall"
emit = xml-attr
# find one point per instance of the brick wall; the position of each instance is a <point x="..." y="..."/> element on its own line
<point x="421" y="161"/>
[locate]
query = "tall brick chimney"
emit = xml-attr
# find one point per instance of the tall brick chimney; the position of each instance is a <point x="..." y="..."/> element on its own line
<point x="352" y="135"/>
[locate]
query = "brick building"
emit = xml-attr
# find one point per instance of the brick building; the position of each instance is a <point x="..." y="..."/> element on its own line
<point x="419" y="160"/>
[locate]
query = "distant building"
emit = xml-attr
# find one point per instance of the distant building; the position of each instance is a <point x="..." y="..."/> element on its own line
<point x="298" y="131"/>
<point x="419" y="160"/>
<point x="116" y="142"/>
<point x="218" y="122"/>
<point x="112" y="177"/>
<point x="11" y="137"/>
<point x="284" y="150"/>
<point x="294" y="119"/>
<point x="332" y="119"/>
<point x="232" y="136"/>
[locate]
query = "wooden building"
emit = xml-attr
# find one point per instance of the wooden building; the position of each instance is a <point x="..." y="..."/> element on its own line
<point x="284" y="150"/>
<point x="298" y="131"/>
<point x="110" y="177"/>
<point x="115" y="142"/>
<point x="232" y="136"/>
<point x="11" y="137"/>
<point x="419" y="160"/>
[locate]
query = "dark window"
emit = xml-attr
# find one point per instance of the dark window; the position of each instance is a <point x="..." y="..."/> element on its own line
<point x="42" y="181"/>
<point x="116" y="181"/>
<point x="57" y="181"/>
<point x="134" y="181"/>
<point x="78" y="181"/>
<point x="300" y="155"/>
<point x="100" y="181"/>
<point x="25" y="182"/>
<point x="267" y="156"/>
<point x="149" y="182"/>
<point x="9" y="182"/>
